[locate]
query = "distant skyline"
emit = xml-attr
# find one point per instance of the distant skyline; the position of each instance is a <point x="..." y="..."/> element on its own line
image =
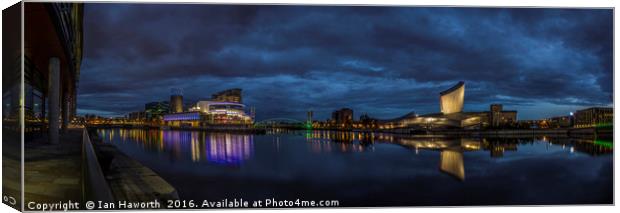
<point x="384" y="61"/>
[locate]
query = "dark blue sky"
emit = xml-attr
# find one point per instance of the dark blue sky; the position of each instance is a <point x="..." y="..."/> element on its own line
<point x="384" y="61"/>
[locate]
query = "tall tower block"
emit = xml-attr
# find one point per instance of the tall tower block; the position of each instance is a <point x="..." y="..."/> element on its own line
<point x="176" y="100"/>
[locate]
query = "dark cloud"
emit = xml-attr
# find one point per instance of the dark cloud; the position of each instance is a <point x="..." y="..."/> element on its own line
<point x="385" y="61"/>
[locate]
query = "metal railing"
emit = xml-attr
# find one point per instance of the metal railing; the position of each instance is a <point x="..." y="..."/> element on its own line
<point x="94" y="186"/>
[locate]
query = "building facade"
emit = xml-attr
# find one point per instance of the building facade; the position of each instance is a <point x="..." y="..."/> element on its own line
<point x="498" y="117"/>
<point x="156" y="110"/>
<point x="451" y="116"/>
<point x="137" y="116"/>
<point x="176" y="103"/>
<point x="451" y="100"/>
<point x="51" y="63"/>
<point x="594" y="117"/>
<point x="224" y="108"/>
<point x="230" y="95"/>
<point x="343" y="118"/>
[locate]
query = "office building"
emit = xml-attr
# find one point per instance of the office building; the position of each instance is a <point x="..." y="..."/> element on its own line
<point x="155" y="110"/>
<point x="594" y="117"/>
<point x="342" y="117"/>
<point x="499" y="118"/>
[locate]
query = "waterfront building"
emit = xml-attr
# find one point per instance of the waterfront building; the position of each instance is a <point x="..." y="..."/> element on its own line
<point x="52" y="55"/>
<point x="216" y="111"/>
<point x="223" y="112"/>
<point x="155" y="110"/>
<point x="366" y="122"/>
<point x="498" y="117"/>
<point x="230" y="95"/>
<point x="451" y="100"/>
<point x="594" y="117"/>
<point x="137" y="116"/>
<point x="176" y="103"/>
<point x="532" y="124"/>
<point x="561" y="121"/>
<point x="451" y="103"/>
<point x="342" y="118"/>
<point x="185" y="119"/>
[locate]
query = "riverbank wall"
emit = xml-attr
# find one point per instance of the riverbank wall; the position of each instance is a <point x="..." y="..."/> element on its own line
<point x="127" y="178"/>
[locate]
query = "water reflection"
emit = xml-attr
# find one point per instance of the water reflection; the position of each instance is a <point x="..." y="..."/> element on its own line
<point x="396" y="169"/>
<point x="235" y="149"/>
<point x="451" y="159"/>
<point x="324" y="141"/>
<point x="218" y="148"/>
<point x="451" y="162"/>
<point x="228" y="149"/>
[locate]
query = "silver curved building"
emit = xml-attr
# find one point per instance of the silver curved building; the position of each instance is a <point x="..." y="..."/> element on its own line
<point x="451" y="100"/>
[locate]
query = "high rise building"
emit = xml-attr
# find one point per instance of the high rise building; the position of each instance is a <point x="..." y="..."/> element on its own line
<point x="176" y="101"/>
<point x="309" y="119"/>
<point x="343" y="117"/>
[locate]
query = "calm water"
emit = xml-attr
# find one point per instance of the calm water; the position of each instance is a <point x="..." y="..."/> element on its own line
<point x="374" y="169"/>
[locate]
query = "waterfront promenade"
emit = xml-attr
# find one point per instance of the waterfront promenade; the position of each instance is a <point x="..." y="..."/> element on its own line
<point x="52" y="172"/>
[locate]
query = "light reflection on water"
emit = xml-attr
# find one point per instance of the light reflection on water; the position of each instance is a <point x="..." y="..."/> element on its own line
<point x="219" y="148"/>
<point x="234" y="149"/>
<point x="346" y="165"/>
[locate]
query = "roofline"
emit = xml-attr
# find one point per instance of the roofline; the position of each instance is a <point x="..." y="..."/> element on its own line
<point x="453" y="88"/>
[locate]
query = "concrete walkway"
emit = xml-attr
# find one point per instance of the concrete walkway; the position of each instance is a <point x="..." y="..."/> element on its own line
<point x="53" y="172"/>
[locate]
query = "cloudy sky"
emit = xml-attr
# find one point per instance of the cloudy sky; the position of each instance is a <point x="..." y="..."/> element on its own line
<point x="384" y="61"/>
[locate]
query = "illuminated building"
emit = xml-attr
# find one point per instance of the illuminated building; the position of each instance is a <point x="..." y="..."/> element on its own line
<point x="451" y="103"/>
<point x="561" y="121"/>
<point x="136" y="115"/>
<point x="50" y="60"/>
<point x="309" y="117"/>
<point x="343" y="117"/>
<point x="230" y="95"/>
<point x="594" y="117"/>
<point x="498" y="117"/>
<point x="176" y="103"/>
<point x="223" y="112"/>
<point x="184" y="119"/>
<point x="214" y="112"/>
<point x="155" y="110"/>
<point x="451" y="100"/>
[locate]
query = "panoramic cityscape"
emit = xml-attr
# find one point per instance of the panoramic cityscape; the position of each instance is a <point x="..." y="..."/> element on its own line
<point x="339" y="106"/>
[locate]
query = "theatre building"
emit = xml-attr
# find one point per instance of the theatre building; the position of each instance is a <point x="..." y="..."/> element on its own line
<point x="224" y="108"/>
